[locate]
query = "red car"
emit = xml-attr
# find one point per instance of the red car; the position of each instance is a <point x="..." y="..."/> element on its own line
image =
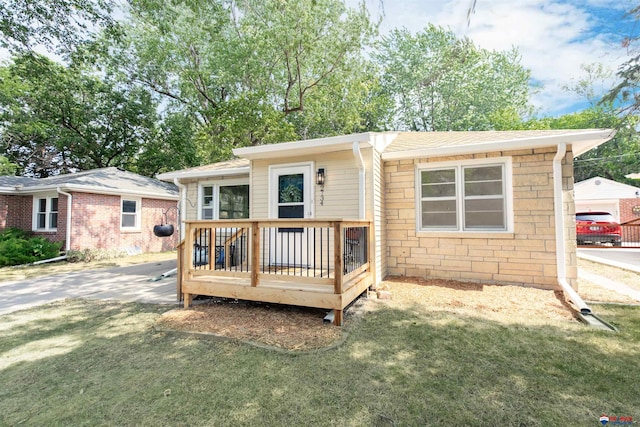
<point x="597" y="228"/>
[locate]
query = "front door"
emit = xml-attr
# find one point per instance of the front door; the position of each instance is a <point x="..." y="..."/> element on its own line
<point x="291" y="198"/>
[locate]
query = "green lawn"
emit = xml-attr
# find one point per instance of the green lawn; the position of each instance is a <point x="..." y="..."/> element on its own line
<point x="100" y="363"/>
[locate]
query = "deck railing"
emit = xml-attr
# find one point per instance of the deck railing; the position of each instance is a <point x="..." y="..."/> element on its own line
<point x="304" y="252"/>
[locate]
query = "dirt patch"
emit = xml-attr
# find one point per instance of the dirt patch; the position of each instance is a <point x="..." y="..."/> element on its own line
<point x="303" y="329"/>
<point x="274" y="325"/>
<point x="498" y="303"/>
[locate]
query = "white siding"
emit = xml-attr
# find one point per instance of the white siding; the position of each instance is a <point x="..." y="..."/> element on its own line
<point x="340" y="190"/>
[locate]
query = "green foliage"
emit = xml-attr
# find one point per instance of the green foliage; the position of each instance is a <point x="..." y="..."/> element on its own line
<point x="440" y="82"/>
<point x="252" y="72"/>
<point x="6" y="167"/>
<point x="58" y="118"/>
<point x="615" y="158"/>
<point x="59" y="25"/>
<point x="18" y="247"/>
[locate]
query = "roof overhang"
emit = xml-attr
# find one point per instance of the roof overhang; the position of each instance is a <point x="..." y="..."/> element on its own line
<point x="170" y="176"/>
<point x="308" y="146"/>
<point x="581" y="142"/>
<point x="39" y="189"/>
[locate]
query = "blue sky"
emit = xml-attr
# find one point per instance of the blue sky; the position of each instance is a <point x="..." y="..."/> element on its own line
<point x="554" y="37"/>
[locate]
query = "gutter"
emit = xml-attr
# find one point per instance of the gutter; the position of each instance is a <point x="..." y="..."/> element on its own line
<point x="67" y="243"/>
<point x="361" y="179"/>
<point x="561" y="256"/>
<point x="99" y="190"/>
<point x="183" y="206"/>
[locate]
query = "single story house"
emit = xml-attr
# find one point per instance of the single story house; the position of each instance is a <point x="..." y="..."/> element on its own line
<point x="601" y="194"/>
<point x="489" y="207"/>
<point x="106" y="208"/>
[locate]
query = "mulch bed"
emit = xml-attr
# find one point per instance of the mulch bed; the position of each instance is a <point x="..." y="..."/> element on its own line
<point x="302" y="329"/>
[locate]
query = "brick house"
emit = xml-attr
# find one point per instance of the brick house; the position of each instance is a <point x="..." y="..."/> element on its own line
<point x="602" y="194"/>
<point x="104" y="208"/>
<point x="489" y="207"/>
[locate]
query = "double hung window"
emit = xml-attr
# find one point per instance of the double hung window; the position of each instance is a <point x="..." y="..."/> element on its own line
<point x="45" y="213"/>
<point x="464" y="197"/>
<point x="130" y="214"/>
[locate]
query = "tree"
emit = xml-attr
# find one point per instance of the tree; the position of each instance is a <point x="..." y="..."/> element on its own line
<point x="440" y="82"/>
<point x="252" y="72"/>
<point x="56" y="118"/>
<point x="58" y="25"/>
<point x="6" y="167"/>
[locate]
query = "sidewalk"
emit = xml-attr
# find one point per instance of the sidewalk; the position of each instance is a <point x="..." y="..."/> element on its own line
<point x="605" y="282"/>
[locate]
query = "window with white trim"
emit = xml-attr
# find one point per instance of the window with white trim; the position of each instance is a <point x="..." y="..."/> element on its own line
<point x="45" y="216"/>
<point x="464" y="197"/>
<point x="224" y="201"/>
<point x="130" y="209"/>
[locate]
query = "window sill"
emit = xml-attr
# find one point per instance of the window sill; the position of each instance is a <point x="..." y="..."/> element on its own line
<point x="466" y="234"/>
<point x="130" y="230"/>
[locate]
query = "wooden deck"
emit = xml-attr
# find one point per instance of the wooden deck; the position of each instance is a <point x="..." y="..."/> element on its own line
<point x="312" y="263"/>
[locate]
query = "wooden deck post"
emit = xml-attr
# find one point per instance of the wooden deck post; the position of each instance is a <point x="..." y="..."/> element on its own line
<point x="337" y="265"/>
<point x="179" y="271"/>
<point x="188" y="262"/>
<point x="337" y="317"/>
<point x="337" y="257"/>
<point x="188" y="300"/>
<point x="255" y="253"/>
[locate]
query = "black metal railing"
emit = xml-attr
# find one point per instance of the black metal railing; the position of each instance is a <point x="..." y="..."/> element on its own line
<point x="288" y="248"/>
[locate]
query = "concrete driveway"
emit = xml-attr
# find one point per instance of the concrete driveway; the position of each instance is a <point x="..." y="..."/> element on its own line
<point x="130" y="283"/>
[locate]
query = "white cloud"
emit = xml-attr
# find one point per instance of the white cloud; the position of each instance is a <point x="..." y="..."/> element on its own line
<point x="554" y="37"/>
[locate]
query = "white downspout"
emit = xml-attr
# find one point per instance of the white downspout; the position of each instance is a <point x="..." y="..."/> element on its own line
<point x="67" y="243"/>
<point x="182" y="211"/>
<point x="559" y="225"/>
<point x="361" y="182"/>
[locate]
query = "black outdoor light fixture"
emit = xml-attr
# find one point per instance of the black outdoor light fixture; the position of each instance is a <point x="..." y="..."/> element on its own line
<point x="320" y="182"/>
<point x="320" y="177"/>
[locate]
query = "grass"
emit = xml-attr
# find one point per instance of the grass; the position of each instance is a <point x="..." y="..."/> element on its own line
<point x="80" y="363"/>
<point x="31" y="271"/>
<point x="629" y="278"/>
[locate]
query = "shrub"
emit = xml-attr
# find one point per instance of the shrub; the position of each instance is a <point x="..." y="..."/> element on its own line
<point x="20" y="247"/>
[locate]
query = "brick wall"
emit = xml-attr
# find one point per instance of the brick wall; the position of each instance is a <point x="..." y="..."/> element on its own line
<point x="525" y="257"/>
<point x="16" y="211"/>
<point x="626" y="210"/>
<point x="96" y="224"/>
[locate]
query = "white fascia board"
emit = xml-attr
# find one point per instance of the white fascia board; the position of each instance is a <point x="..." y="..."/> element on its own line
<point x="170" y="176"/>
<point x="96" y="190"/>
<point x="308" y="146"/>
<point x="581" y="143"/>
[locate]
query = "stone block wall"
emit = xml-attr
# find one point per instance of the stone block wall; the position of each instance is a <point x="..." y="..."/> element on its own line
<point x="526" y="256"/>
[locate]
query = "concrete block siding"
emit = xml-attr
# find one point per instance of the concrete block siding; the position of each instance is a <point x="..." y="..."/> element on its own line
<point x="526" y="256"/>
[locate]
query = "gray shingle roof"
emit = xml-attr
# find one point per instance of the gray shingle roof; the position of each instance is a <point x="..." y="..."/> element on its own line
<point x="16" y="181"/>
<point x="110" y="180"/>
